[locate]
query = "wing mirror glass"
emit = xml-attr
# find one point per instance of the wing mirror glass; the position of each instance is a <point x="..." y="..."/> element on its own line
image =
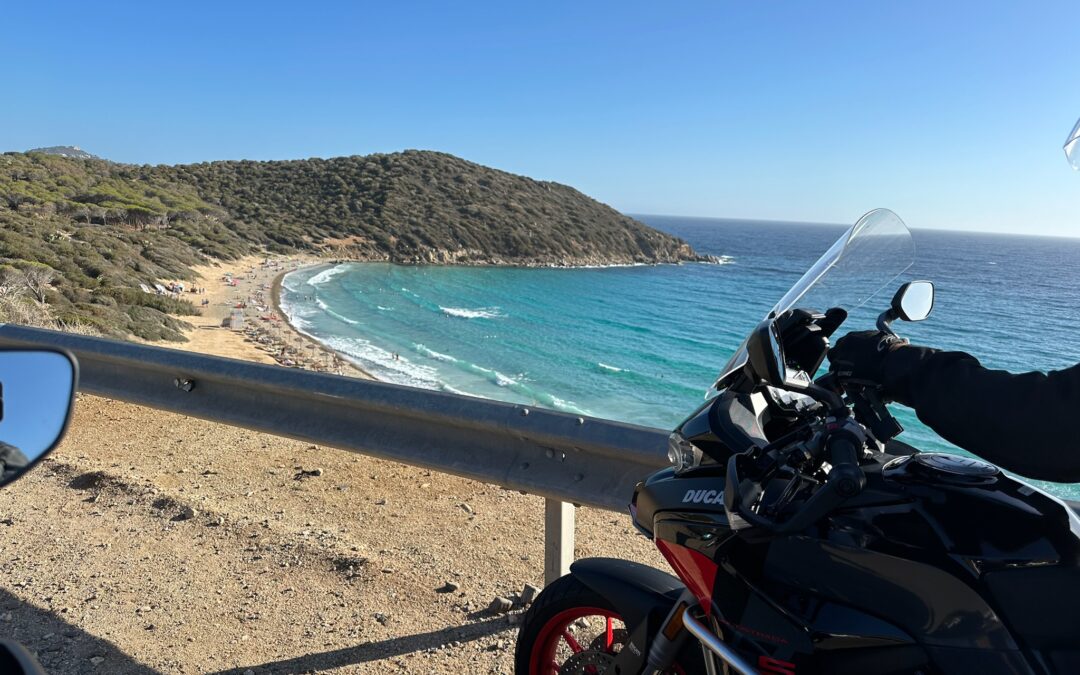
<point x="1072" y="146"/>
<point x="37" y="389"/>
<point x="914" y="300"/>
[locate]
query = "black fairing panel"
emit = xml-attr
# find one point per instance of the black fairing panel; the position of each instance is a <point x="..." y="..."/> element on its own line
<point x="925" y="601"/>
<point x="1043" y="606"/>
<point x="724" y="425"/>
<point x="636" y="590"/>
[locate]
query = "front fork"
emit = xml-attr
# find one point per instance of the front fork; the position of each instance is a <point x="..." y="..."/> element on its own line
<point x="668" y="639"/>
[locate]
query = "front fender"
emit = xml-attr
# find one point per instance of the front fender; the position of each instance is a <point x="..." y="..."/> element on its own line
<point x="637" y="591"/>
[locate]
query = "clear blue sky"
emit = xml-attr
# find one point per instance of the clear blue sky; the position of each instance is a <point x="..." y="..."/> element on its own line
<point x="951" y="114"/>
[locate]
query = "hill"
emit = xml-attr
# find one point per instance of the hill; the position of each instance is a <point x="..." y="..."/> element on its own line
<point x="65" y="151"/>
<point x="104" y="228"/>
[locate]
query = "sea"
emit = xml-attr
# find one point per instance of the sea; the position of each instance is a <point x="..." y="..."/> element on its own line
<point x="643" y="344"/>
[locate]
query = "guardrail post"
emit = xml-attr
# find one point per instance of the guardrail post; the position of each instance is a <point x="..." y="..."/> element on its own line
<point x="558" y="539"/>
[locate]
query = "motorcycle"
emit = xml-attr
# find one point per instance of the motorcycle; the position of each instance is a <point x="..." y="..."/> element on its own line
<point x="806" y="539"/>
<point x="37" y="391"/>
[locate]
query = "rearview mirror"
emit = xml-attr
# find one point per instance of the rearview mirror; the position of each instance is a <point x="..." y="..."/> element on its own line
<point x="37" y="388"/>
<point x="1072" y="146"/>
<point x="914" y="300"/>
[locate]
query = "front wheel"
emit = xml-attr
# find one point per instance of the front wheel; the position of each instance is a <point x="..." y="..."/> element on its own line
<point x="570" y="630"/>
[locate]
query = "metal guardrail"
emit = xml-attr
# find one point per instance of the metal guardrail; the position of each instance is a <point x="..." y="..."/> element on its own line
<point x="563" y="457"/>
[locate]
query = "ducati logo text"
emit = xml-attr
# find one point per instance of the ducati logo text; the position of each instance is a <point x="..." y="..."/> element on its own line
<point x="703" y="497"/>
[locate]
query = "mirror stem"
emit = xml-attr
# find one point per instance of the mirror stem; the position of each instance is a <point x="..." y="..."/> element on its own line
<point x="885" y="320"/>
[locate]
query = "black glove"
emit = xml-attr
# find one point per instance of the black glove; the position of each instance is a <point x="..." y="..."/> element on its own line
<point x="878" y="357"/>
<point x="862" y="355"/>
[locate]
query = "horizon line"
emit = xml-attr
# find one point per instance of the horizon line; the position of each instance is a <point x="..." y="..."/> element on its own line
<point x="818" y="223"/>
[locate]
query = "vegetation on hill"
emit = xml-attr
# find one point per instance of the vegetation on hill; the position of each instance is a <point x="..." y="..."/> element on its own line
<point x="64" y="151"/>
<point x="104" y="228"/>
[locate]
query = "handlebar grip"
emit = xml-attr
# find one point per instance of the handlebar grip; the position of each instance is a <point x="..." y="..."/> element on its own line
<point x="846" y="476"/>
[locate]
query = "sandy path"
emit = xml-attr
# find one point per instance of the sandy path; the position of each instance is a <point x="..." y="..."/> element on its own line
<point x="275" y="571"/>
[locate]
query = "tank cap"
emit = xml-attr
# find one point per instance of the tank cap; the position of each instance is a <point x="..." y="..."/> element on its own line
<point x="957" y="465"/>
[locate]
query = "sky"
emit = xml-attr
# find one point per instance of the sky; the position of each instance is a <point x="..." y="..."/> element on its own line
<point x="951" y="114"/>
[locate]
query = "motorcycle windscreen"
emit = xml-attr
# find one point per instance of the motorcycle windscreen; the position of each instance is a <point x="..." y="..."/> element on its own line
<point x="863" y="261"/>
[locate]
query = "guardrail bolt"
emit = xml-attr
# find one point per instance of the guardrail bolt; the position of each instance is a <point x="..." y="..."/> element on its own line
<point x="580" y="421"/>
<point x="524" y="412"/>
<point x="550" y="453"/>
<point x="580" y="477"/>
<point x="185" y="384"/>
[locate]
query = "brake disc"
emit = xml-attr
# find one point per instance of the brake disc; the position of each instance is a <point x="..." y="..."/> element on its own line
<point x="587" y="662"/>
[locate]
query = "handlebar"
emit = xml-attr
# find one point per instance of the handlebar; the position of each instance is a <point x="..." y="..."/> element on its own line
<point x="845" y="447"/>
<point x="846" y="480"/>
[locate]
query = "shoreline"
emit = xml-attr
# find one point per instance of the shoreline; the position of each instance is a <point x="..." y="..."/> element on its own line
<point x="244" y="290"/>
<point x="234" y="288"/>
<point x="275" y="303"/>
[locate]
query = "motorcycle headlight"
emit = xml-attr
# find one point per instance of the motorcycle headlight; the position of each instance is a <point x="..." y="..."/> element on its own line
<point x="681" y="453"/>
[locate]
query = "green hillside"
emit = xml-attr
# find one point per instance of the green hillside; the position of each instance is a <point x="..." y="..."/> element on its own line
<point x="104" y="228"/>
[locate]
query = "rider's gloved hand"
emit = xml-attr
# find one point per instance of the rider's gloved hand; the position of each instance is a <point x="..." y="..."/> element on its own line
<point x="877" y="357"/>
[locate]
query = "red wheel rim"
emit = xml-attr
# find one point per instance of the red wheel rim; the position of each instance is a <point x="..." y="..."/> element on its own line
<point x="557" y="631"/>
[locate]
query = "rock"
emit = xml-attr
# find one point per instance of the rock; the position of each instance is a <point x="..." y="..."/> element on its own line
<point x="500" y="605"/>
<point x="448" y="587"/>
<point x="582" y="623"/>
<point x="97" y="660"/>
<point x="381" y="618"/>
<point x="380" y="502"/>
<point x="186" y="513"/>
<point x="466" y="508"/>
<point x="528" y="594"/>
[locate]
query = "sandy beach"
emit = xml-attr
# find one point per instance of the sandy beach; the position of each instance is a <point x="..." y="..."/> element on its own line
<point x="244" y="294"/>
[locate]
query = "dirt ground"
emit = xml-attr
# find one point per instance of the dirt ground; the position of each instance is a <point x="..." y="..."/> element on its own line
<point x="155" y="543"/>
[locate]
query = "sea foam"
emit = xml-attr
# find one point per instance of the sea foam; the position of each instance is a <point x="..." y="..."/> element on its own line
<point x="465" y="313"/>
<point x="327" y="275"/>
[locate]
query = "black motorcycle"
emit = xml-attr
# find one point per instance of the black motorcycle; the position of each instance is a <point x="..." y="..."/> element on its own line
<point x="807" y="540"/>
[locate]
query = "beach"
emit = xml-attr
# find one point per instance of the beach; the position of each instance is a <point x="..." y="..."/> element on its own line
<point x="245" y="292"/>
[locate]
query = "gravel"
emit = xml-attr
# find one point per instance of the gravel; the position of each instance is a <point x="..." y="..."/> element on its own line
<point x="76" y="570"/>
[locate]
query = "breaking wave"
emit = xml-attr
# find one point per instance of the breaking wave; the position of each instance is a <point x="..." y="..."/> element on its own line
<point x="464" y="313"/>
<point x="327" y="275"/>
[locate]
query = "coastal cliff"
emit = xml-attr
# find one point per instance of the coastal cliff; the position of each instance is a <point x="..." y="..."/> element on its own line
<point x="105" y="228"/>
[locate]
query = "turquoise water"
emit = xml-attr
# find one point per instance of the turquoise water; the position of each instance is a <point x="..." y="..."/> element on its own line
<point x="642" y="344"/>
